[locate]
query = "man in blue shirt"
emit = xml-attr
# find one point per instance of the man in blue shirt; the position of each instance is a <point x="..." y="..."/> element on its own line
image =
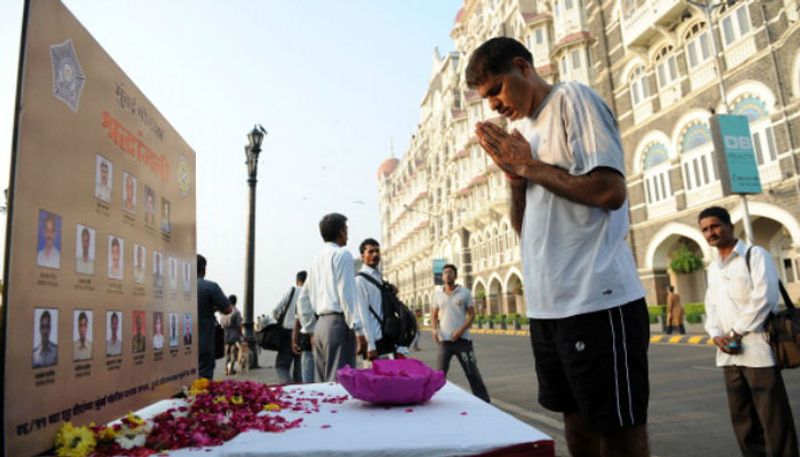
<point x="210" y="299"/>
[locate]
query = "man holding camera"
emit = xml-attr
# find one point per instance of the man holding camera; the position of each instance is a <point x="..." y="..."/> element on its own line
<point x="742" y="291"/>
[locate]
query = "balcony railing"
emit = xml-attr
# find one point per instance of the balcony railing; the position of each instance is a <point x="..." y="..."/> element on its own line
<point x="639" y="25"/>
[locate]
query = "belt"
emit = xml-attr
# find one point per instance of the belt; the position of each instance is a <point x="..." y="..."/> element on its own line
<point x="331" y="314"/>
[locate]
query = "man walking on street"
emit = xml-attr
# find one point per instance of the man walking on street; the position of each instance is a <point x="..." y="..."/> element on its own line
<point x="210" y="299"/>
<point x="588" y="318"/>
<point x="330" y="294"/>
<point x="451" y="317"/>
<point x="742" y="292"/>
<point x="232" y="325"/>
<point x="674" y="312"/>
<point x="286" y="357"/>
<point x="369" y="287"/>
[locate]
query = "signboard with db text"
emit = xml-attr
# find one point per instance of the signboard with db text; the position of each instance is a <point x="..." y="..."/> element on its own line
<point x="101" y="244"/>
<point x="438" y="268"/>
<point x="735" y="159"/>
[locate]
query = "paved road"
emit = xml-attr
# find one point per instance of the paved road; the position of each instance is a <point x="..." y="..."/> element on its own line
<point x="688" y="409"/>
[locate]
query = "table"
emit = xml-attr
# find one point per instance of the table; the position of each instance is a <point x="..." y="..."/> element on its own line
<point x="452" y="423"/>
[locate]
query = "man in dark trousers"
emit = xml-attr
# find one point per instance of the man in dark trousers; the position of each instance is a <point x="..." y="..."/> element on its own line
<point x="452" y="316"/>
<point x="286" y="358"/>
<point x="210" y="299"/>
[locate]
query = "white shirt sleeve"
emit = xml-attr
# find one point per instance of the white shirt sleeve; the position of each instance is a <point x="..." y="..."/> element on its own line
<point x="306" y="314"/>
<point x="345" y="281"/>
<point x="712" y="325"/>
<point x="363" y="300"/>
<point x="276" y="311"/>
<point x="763" y="296"/>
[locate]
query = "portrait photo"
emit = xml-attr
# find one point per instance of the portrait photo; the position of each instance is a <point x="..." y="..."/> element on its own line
<point x="158" y="269"/>
<point x="166" y="225"/>
<point x="48" y="246"/>
<point x="116" y="257"/>
<point x="84" y="249"/>
<point x="128" y="192"/>
<point x="103" y="178"/>
<point x="138" y="340"/>
<point x="114" y="332"/>
<point x="187" y="328"/>
<point x="82" y="321"/>
<point x="173" y="329"/>
<point x="149" y="205"/>
<point x="158" y="330"/>
<point x="139" y="263"/>
<point x="173" y="272"/>
<point x="187" y="276"/>
<point x="45" y="337"/>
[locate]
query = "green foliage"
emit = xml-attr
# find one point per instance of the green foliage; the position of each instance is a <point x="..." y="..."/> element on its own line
<point x="480" y="295"/>
<point x="694" y="312"/>
<point x="655" y="311"/>
<point x="684" y="261"/>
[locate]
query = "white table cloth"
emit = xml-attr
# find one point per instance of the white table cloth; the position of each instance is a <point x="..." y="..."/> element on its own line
<point x="452" y="423"/>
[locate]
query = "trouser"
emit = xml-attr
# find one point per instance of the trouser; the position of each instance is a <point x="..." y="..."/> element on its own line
<point x="307" y="361"/>
<point x="205" y="354"/>
<point x="760" y="411"/>
<point x="681" y="329"/>
<point x="334" y="346"/>
<point x="463" y="351"/>
<point x="286" y="359"/>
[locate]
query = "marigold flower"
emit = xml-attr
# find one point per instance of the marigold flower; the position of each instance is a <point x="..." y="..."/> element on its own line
<point x="272" y="407"/>
<point x="74" y="441"/>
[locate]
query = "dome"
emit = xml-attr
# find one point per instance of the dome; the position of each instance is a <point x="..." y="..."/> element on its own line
<point x="387" y="167"/>
<point x="459" y="15"/>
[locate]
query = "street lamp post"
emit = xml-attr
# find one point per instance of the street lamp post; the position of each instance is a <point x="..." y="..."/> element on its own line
<point x="252" y="150"/>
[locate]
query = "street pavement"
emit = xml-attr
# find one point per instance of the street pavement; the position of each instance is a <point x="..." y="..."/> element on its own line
<point x="688" y="413"/>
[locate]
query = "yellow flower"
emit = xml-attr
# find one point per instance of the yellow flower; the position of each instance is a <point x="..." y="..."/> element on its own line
<point x="135" y="421"/>
<point x="74" y="441"/>
<point x="199" y="386"/>
<point x="220" y="399"/>
<point x="237" y="400"/>
<point x="272" y="407"/>
<point x="107" y="434"/>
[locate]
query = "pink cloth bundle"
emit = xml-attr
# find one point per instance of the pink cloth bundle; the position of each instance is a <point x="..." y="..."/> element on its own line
<point x="392" y="382"/>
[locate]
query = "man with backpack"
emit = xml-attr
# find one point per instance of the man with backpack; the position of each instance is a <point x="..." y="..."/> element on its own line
<point x="743" y="289"/>
<point x="452" y="315"/>
<point x="369" y="293"/>
<point x="284" y="314"/>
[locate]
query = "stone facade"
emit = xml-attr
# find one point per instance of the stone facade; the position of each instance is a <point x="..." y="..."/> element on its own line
<point x="653" y="62"/>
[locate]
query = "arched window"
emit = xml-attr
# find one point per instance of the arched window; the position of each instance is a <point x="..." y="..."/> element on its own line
<point x="656" y="173"/>
<point x="698" y="45"/>
<point x="763" y="137"/>
<point x="637" y="82"/>
<point x="735" y="23"/>
<point x="696" y="156"/>
<point x="666" y="67"/>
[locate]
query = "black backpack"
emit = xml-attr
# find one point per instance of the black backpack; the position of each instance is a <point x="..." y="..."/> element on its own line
<point x="399" y="324"/>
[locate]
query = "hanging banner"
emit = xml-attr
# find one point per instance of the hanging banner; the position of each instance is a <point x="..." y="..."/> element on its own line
<point x="100" y="302"/>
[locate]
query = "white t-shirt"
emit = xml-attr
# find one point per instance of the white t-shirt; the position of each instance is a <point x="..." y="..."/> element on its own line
<point x="575" y="257"/>
<point x="452" y="311"/>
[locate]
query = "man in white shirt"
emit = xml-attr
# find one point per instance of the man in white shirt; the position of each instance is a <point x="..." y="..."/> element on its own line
<point x="589" y="323"/>
<point x="739" y="299"/>
<point x="102" y="187"/>
<point x="84" y="261"/>
<point x="139" y="266"/>
<point x="369" y="294"/>
<point x="287" y="359"/>
<point x="114" y="341"/>
<point x="49" y="256"/>
<point x="46" y="354"/>
<point x="452" y="314"/>
<point x="330" y="294"/>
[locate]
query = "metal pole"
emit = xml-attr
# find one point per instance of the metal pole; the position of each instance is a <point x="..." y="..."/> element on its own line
<point x="748" y="227"/>
<point x="250" y="270"/>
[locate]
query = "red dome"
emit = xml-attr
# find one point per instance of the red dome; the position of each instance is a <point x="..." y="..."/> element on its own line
<point x="387" y="167"/>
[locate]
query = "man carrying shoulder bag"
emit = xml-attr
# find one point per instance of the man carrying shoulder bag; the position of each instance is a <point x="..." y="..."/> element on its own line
<point x="284" y="313"/>
<point x="742" y="294"/>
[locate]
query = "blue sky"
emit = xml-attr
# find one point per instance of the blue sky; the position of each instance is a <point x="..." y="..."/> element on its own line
<point x="332" y="82"/>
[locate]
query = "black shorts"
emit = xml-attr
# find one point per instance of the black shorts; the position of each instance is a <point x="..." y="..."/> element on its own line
<point x="595" y="364"/>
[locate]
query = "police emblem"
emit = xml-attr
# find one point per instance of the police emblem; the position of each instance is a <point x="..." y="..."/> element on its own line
<point x="184" y="180"/>
<point x="68" y="77"/>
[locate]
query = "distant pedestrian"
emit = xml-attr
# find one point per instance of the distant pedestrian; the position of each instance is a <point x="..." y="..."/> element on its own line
<point x="739" y="298"/>
<point x="674" y="312"/>
<point x="330" y="294"/>
<point x="302" y="346"/>
<point x="232" y="324"/>
<point x="287" y="358"/>
<point x="210" y="299"/>
<point x="452" y="315"/>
